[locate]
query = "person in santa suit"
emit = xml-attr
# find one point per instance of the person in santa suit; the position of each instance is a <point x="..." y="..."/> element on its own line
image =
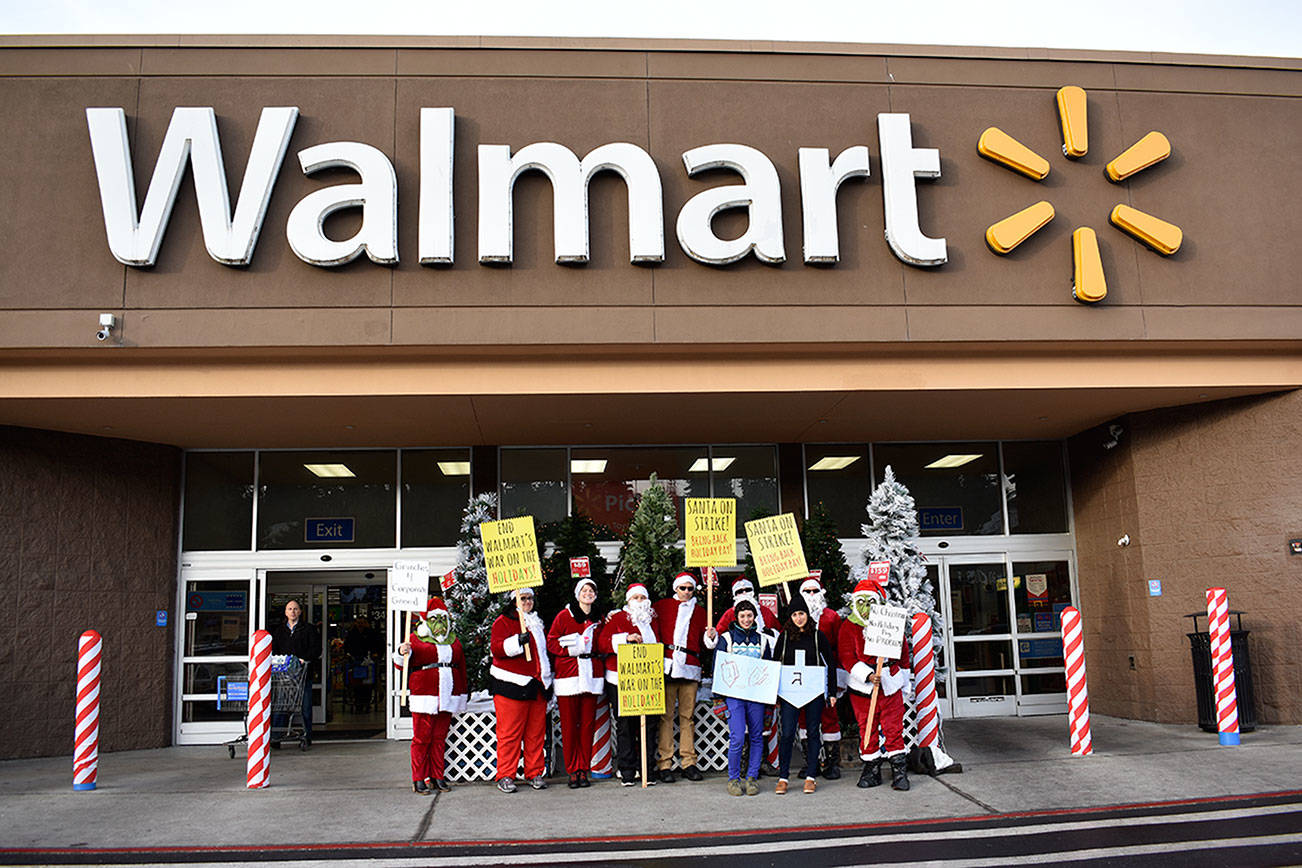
<point x="829" y="624"/>
<point x="742" y="589"/>
<point x="572" y="640"/>
<point x="520" y="684"/>
<point x="681" y="622"/>
<point x="633" y="623"/>
<point x="437" y="683"/>
<point x="889" y="714"/>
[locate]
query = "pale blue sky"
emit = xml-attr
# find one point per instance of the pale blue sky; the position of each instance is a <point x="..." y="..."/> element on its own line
<point x="1255" y="27"/>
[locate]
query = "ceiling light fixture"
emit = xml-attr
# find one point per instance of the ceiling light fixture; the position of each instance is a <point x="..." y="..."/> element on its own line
<point x="454" y="468"/>
<point x="329" y="471"/>
<point x="952" y="461"/>
<point x="715" y="464"/>
<point x="834" y="462"/>
<point x="590" y="465"/>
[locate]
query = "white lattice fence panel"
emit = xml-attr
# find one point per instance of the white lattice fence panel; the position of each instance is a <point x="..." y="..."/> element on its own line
<point x="472" y="747"/>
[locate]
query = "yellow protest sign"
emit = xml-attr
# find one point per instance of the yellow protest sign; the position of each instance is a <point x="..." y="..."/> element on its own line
<point x="775" y="546"/>
<point x="711" y="524"/>
<point x="511" y="554"/>
<point x="641" y="670"/>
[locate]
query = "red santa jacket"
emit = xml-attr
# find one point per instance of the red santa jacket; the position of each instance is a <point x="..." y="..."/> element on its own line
<point x="436" y="677"/>
<point x="615" y="633"/>
<point x="829" y="624"/>
<point x="572" y="641"/>
<point x="510" y="674"/>
<point x="682" y="628"/>
<point x="767" y="621"/>
<point x="849" y="646"/>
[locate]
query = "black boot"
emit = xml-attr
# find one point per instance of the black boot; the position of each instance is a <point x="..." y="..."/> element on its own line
<point x="832" y="760"/>
<point x="899" y="772"/>
<point x="871" y="776"/>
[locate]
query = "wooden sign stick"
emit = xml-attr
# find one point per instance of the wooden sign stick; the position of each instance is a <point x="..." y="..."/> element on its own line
<point x="872" y="707"/>
<point x="406" y="659"/>
<point x="709" y="603"/>
<point x="642" y="738"/>
<point x="519" y="610"/>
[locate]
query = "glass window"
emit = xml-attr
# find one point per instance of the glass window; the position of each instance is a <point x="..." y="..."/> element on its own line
<point x="607" y="480"/>
<point x="534" y="482"/>
<point x="748" y="473"/>
<point x="327" y="500"/>
<point x="1041" y="590"/>
<point x="218" y="501"/>
<point x="837" y="474"/>
<point x="955" y="485"/>
<point x="1036" y="485"/>
<point x="216" y="618"/>
<point x="986" y="685"/>
<point x="435" y="489"/>
<point x="975" y="656"/>
<point x="1049" y="682"/>
<point x="978" y="599"/>
<point x="196" y="710"/>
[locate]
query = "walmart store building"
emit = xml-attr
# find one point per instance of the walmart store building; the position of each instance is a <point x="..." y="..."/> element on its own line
<point x="550" y="268"/>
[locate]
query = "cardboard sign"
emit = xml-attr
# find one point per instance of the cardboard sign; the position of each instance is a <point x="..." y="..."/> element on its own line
<point x="770" y="602"/>
<point x="449" y="579"/>
<point x="409" y="586"/>
<point x="800" y="684"/>
<point x="641" y="671"/>
<point x="746" y="677"/>
<point x="1037" y="587"/>
<point x="580" y="568"/>
<point x="775" y="546"/>
<point x="711" y="525"/>
<point x="880" y="572"/>
<point x="511" y="554"/>
<point x="884" y="635"/>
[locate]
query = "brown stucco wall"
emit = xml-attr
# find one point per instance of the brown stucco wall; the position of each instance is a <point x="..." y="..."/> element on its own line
<point x="90" y="543"/>
<point x="1210" y="494"/>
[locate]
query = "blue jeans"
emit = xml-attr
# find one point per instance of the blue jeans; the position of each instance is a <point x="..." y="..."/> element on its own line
<point x="742" y="715"/>
<point x="813" y="723"/>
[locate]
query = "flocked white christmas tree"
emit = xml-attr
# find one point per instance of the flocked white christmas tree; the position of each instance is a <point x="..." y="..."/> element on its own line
<point x="472" y="607"/>
<point x="892" y="535"/>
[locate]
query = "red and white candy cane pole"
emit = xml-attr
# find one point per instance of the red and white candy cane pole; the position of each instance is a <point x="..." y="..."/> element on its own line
<point x="926" y="708"/>
<point x="85" y="743"/>
<point x="771" y="739"/>
<point x="1218" y="624"/>
<point x="603" y="762"/>
<point x="1078" y="699"/>
<point x="259" y="763"/>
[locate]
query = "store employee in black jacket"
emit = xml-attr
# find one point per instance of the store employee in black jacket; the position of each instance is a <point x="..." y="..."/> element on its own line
<point x="800" y="633"/>
<point x="297" y="637"/>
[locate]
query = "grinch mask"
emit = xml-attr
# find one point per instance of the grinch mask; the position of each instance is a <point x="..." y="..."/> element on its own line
<point x="860" y="607"/>
<point x="437" y="628"/>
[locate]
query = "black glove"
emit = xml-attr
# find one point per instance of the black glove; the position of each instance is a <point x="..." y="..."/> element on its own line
<point x="524" y="638"/>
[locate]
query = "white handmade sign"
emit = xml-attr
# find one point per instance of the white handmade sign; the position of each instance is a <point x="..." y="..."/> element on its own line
<point x="800" y="684"/>
<point x="409" y="586"/>
<point x="884" y="634"/>
<point x="746" y="677"/>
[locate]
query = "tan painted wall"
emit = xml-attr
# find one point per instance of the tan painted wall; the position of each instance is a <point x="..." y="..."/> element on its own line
<point x="1209" y="494"/>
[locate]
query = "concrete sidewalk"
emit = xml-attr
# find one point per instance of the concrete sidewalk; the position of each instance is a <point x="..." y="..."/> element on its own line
<point x="358" y="792"/>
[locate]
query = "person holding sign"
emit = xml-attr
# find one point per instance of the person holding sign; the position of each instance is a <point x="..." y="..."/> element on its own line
<point x="633" y="623"/>
<point x="579" y="678"/>
<point x="438" y="690"/>
<point x="745" y="716"/>
<point x="682" y="626"/>
<point x="829" y="624"/>
<point x="869" y="674"/>
<point x="803" y="644"/>
<point x="519" y="683"/>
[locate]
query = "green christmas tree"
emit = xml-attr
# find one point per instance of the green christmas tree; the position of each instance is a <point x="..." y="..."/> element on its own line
<point x="572" y="537"/>
<point x="892" y="535"/>
<point x="650" y="554"/>
<point x="473" y="608"/>
<point x="823" y="552"/>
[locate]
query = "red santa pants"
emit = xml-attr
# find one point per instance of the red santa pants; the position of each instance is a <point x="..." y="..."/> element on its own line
<point x="429" y="741"/>
<point x="578" y="718"/>
<point x="520" y="720"/>
<point x="830" y="723"/>
<point x="889" y="716"/>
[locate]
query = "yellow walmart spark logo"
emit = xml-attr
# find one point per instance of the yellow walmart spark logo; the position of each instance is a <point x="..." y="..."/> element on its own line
<point x="1003" y="237"/>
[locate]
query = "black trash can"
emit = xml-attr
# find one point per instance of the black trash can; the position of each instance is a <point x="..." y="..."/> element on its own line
<point x="1201" y="646"/>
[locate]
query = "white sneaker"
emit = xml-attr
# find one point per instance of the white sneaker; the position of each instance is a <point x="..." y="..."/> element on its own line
<point x="506" y="785"/>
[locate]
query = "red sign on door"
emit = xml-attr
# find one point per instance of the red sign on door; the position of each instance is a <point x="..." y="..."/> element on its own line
<point x="580" y="568"/>
<point x="448" y="578"/>
<point x="880" y="572"/>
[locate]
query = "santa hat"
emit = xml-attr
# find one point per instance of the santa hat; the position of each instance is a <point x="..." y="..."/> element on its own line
<point x="684" y="578"/>
<point x="635" y="588"/>
<point x="741" y="586"/>
<point x="435" y="606"/>
<point x="579" y="586"/>
<point x="811" y="585"/>
<point x="867" y="587"/>
<point x="521" y="592"/>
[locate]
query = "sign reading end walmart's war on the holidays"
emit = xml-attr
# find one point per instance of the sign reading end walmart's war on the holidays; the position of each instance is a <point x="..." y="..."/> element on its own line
<point x="775" y="546"/>
<point x="640" y="668"/>
<point x="711" y="525"/>
<point x="511" y="554"/>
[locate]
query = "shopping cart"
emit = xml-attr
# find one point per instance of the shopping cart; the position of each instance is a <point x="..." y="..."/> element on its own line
<point x="288" y="679"/>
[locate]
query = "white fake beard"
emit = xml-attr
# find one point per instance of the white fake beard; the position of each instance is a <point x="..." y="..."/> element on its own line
<point x="817" y="602"/>
<point x="745" y="595"/>
<point x="639" y="611"/>
<point x="533" y="622"/>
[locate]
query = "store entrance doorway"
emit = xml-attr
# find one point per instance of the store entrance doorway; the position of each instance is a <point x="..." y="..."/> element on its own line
<point x="350" y="678"/>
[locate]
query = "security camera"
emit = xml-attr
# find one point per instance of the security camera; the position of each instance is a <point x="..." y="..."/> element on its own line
<point x="106" y="323"/>
<point x="1114" y="436"/>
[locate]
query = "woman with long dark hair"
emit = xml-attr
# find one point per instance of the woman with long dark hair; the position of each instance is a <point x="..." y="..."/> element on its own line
<point x="802" y="643"/>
